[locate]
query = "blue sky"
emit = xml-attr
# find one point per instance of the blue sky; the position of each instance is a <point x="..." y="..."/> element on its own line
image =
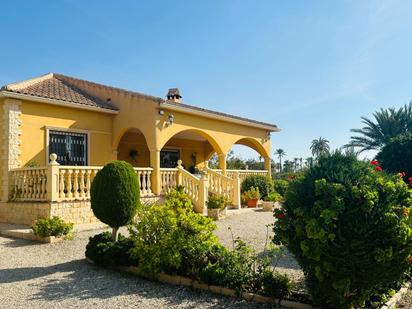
<point x="311" y="67"/>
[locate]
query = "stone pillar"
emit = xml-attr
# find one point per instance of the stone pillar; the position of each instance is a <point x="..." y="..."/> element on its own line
<point x="155" y="164"/>
<point x="10" y="143"/>
<point x="53" y="179"/>
<point x="114" y="154"/>
<point x="236" y="203"/>
<point x="268" y="166"/>
<point x="222" y="162"/>
<point x="200" y="206"/>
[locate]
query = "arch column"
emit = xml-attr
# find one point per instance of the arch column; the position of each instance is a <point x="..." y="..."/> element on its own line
<point x="268" y="166"/>
<point x="155" y="164"/>
<point x="222" y="162"/>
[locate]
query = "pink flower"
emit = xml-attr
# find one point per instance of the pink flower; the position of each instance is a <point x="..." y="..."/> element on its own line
<point x="374" y="162"/>
<point x="280" y="215"/>
<point x="378" y="168"/>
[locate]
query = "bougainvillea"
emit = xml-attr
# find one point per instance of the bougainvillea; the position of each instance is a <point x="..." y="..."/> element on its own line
<point x="349" y="227"/>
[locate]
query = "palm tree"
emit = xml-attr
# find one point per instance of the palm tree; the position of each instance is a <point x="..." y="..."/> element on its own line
<point x="309" y="161"/>
<point x="280" y="153"/>
<point x="295" y="162"/>
<point x="320" y="147"/>
<point x="387" y="124"/>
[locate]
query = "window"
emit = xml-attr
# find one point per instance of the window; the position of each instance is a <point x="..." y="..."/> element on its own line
<point x="70" y="147"/>
<point x="169" y="158"/>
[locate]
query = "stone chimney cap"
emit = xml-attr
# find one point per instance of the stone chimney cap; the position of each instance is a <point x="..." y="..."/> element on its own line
<point x="173" y="93"/>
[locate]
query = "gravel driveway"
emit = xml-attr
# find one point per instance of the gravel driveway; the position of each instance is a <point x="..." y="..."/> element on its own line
<point x="56" y="275"/>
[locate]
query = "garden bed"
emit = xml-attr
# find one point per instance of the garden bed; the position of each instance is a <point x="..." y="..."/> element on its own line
<point x="188" y="282"/>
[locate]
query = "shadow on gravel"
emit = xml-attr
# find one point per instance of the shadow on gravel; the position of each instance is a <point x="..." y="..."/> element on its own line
<point x="16" y="242"/>
<point x="80" y="280"/>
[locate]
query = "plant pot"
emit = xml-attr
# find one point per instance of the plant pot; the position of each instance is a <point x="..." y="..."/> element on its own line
<point x="213" y="214"/>
<point x="216" y="214"/>
<point x="251" y="203"/>
<point x="267" y="206"/>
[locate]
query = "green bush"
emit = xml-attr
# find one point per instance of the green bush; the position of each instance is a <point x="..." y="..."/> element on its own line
<point x="349" y="228"/>
<point x="51" y="227"/>
<point x="274" y="197"/>
<point x="276" y="285"/>
<point x="242" y="270"/>
<point x="103" y="251"/>
<point x="395" y="156"/>
<point x="263" y="183"/>
<point x="217" y="202"/>
<point x="115" y="195"/>
<point x="165" y="233"/>
<point x="280" y="186"/>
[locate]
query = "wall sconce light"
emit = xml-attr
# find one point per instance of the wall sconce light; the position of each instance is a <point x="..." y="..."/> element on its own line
<point x="161" y="112"/>
<point x="170" y="119"/>
<point x="268" y="135"/>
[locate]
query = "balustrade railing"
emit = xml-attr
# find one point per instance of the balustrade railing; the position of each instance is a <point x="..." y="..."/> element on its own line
<point x="29" y="184"/>
<point x="168" y="178"/>
<point x="243" y="173"/>
<point x="63" y="183"/>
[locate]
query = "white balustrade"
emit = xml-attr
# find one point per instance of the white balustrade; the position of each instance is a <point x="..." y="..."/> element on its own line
<point x="63" y="183"/>
<point x="243" y="173"/>
<point x="168" y="178"/>
<point x="29" y="184"/>
<point x="144" y="174"/>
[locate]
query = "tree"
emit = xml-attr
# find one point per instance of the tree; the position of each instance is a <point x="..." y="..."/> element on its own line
<point x="280" y="153"/>
<point x="395" y="156"/>
<point x="115" y="195"/>
<point x="388" y="123"/>
<point x="320" y="147"/>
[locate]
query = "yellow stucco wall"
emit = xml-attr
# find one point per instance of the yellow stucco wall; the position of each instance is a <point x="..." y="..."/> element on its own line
<point x="2" y="154"/>
<point x="132" y="140"/>
<point x="36" y="117"/>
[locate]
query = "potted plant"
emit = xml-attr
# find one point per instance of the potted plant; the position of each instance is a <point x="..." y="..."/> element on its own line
<point x="253" y="197"/>
<point x="216" y="206"/>
<point x="271" y="200"/>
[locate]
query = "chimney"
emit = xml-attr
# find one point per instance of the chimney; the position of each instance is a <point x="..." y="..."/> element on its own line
<point x="174" y="95"/>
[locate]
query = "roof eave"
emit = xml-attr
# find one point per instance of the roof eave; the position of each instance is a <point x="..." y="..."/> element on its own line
<point x="184" y="109"/>
<point x="62" y="103"/>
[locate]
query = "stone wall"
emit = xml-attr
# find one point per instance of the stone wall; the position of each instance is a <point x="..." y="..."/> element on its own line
<point x="77" y="212"/>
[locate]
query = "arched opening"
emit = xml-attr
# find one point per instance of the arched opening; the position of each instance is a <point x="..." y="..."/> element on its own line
<point x="245" y="154"/>
<point x="133" y="148"/>
<point x="193" y="147"/>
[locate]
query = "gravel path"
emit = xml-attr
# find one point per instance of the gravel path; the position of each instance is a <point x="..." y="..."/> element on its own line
<point x="56" y="275"/>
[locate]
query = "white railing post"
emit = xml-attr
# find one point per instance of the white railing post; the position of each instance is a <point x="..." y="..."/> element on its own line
<point x="179" y="174"/>
<point x="52" y="184"/>
<point x="203" y="194"/>
<point x="236" y="203"/>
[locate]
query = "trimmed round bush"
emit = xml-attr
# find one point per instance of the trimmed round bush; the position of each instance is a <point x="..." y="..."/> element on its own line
<point x="263" y="183"/>
<point x="349" y="228"/>
<point x="395" y="156"/>
<point x="115" y="195"/>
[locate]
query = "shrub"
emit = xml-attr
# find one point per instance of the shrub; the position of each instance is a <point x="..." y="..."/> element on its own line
<point x="395" y="156"/>
<point x="274" y="197"/>
<point x="276" y="285"/>
<point x="51" y="227"/>
<point x="103" y="251"/>
<point x="165" y="234"/>
<point x="263" y="183"/>
<point x="242" y="270"/>
<point x="349" y="228"/>
<point x="217" y="202"/>
<point x="280" y="186"/>
<point x="115" y="195"/>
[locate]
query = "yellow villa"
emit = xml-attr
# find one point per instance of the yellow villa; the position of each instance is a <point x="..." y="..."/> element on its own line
<point x="58" y="131"/>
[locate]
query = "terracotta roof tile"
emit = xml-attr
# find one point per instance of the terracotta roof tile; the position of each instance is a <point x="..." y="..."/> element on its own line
<point x="51" y="87"/>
